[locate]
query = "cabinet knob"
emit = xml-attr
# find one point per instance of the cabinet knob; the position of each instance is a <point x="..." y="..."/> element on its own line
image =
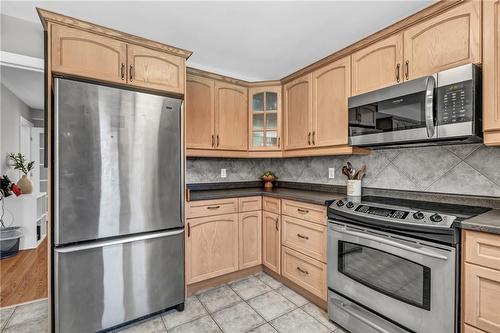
<point x="276" y="224"/>
<point x="407" y="69"/>
<point x="303" y="271"/>
<point x="217" y="140"/>
<point x="309" y="138"/>
<point x="313" y="138"/>
<point x="122" y="71"/>
<point x="398" y="66"/>
<point x="131" y="73"/>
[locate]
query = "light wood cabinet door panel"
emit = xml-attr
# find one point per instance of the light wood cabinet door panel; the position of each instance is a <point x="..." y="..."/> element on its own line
<point x="271" y="241"/>
<point x="231" y="121"/>
<point x="204" y="208"/>
<point x="448" y="40"/>
<point x="331" y="88"/>
<point x="470" y="329"/>
<point x="298" y="105"/>
<point x="308" y="273"/>
<point x="248" y="204"/>
<point x="200" y="112"/>
<point x="211" y="247"/>
<point x="483" y="249"/>
<point x="491" y="72"/>
<point x="304" y="211"/>
<point x="378" y="65"/>
<point x="148" y="68"/>
<point x="89" y="55"/>
<point x="272" y="205"/>
<point x="482" y="298"/>
<point x="307" y="238"/>
<point x="250" y="239"/>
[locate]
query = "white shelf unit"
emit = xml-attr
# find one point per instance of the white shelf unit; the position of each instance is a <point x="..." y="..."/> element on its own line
<point x="28" y="211"/>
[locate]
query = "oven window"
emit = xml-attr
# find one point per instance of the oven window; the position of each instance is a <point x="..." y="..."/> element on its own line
<point x="391" y="275"/>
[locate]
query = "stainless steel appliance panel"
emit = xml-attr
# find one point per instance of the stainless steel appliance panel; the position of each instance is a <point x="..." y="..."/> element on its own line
<point x="107" y="283"/>
<point x="424" y="304"/>
<point x="118" y="162"/>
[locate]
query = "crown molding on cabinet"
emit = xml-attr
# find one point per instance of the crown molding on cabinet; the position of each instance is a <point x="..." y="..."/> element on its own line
<point x="229" y="79"/>
<point x="48" y="16"/>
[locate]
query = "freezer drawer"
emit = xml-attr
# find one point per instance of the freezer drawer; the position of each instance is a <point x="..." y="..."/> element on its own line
<point x="103" y="284"/>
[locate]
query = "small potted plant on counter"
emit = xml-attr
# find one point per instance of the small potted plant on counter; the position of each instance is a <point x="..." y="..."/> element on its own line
<point x="19" y="163"/>
<point x="268" y="178"/>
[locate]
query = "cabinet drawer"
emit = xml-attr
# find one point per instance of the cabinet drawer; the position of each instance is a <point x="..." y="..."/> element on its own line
<point x="470" y="329"/>
<point x="211" y="207"/>
<point x="305" y="237"/>
<point x="308" y="273"/>
<point x="482" y="249"/>
<point x="305" y="211"/>
<point x="249" y="204"/>
<point x="271" y="205"/>
<point x="481" y="297"/>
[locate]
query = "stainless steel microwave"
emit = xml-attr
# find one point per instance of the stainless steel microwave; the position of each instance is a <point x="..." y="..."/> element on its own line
<point x="440" y="108"/>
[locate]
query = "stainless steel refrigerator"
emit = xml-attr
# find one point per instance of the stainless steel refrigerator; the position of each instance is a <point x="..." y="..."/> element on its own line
<point x="118" y="232"/>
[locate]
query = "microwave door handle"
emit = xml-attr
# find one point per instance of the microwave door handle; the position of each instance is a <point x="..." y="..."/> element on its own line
<point x="392" y="243"/>
<point x="429" y="106"/>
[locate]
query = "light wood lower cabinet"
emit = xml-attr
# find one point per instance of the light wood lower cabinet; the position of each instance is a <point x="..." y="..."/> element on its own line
<point x="482" y="298"/>
<point x="211" y="247"/>
<point x="271" y="241"/>
<point x="482" y="249"/>
<point x="308" y="273"/>
<point x="86" y="54"/>
<point x="213" y="207"/>
<point x="250" y="239"/>
<point x="272" y="205"/>
<point x="306" y="237"/>
<point x="248" y="204"/>
<point x="304" y="211"/>
<point x="470" y="329"/>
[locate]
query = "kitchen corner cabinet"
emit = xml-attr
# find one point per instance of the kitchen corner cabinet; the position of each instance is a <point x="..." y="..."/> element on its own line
<point x="271" y="241"/>
<point x="331" y="87"/>
<point x="211" y="247"/>
<point x="86" y="54"/>
<point x="231" y="124"/>
<point x="200" y="113"/>
<point x="90" y="55"/>
<point x="298" y="108"/>
<point x="450" y="39"/>
<point x="378" y="65"/>
<point x="264" y="118"/>
<point x="250" y="239"/>
<point x="491" y="72"/>
<point x="152" y="69"/>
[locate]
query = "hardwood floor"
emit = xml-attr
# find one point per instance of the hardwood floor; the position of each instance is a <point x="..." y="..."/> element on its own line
<point x="24" y="276"/>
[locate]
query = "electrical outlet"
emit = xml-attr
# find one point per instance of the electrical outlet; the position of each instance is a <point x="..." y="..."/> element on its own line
<point x="223" y="173"/>
<point x="331" y="173"/>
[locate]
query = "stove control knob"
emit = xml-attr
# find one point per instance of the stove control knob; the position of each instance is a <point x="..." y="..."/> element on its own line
<point x="418" y="215"/>
<point x="436" y="218"/>
<point x="340" y="203"/>
<point x="350" y="204"/>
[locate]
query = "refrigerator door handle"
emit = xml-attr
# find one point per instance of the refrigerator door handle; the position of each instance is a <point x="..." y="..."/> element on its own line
<point x="123" y="240"/>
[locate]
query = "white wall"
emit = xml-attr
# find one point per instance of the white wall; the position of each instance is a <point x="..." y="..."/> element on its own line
<point x="21" y="36"/>
<point x="11" y="110"/>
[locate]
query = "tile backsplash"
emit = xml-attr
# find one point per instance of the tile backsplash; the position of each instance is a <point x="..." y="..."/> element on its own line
<point x="472" y="169"/>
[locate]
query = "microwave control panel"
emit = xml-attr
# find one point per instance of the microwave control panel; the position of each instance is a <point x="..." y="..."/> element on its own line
<point x="455" y="103"/>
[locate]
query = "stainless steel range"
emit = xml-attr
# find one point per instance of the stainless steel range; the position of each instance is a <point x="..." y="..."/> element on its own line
<point x="393" y="265"/>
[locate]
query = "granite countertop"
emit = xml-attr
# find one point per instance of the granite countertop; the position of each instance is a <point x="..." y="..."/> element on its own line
<point x="310" y="196"/>
<point x="486" y="222"/>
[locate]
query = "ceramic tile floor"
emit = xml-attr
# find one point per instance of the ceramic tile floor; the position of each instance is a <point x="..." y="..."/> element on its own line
<point x="255" y="303"/>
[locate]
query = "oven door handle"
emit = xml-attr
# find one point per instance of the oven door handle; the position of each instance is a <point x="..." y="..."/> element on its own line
<point x="429" y="106"/>
<point x="359" y="317"/>
<point x="392" y="243"/>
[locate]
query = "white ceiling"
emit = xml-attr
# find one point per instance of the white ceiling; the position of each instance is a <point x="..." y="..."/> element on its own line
<point x="27" y="85"/>
<point x="251" y="40"/>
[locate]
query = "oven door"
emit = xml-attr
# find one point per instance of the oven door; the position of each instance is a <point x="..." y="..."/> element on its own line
<point x="398" y="114"/>
<point x="411" y="283"/>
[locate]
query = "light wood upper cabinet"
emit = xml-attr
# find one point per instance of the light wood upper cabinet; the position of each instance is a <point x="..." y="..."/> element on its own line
<point x="264" y="118"/>
<point x="298" y="108"/>
<point x="491" y="72"/>
<point x="211" y="247"/>
<point x="231" y="122"/>
<point x="271" y="241"/>
<point x="200" y="112"/>
<point x="447" y="40"/>
<point x="378" y="65"/>
<point x="250" y="239"/>
<point x="152" y="69"/>
<point x="331" y="88"/>
<point x="85" y="54"/>
<point x="481" y="297"/>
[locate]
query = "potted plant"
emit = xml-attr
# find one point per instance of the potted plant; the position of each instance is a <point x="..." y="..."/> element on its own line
<point x="268" y="178"/>
<point x="19" y="163"/>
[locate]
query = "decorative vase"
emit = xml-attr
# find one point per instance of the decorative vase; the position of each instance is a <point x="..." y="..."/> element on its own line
<point x="268" y="182"/>
<point x="353" y="188"/>
<point x="25" y="185"/>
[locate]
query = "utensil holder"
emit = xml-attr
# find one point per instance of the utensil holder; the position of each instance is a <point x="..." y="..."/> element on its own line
<point x="353" y="188"/>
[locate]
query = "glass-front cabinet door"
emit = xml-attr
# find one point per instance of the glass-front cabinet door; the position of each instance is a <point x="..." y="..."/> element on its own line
<point x="265" y="118"/>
